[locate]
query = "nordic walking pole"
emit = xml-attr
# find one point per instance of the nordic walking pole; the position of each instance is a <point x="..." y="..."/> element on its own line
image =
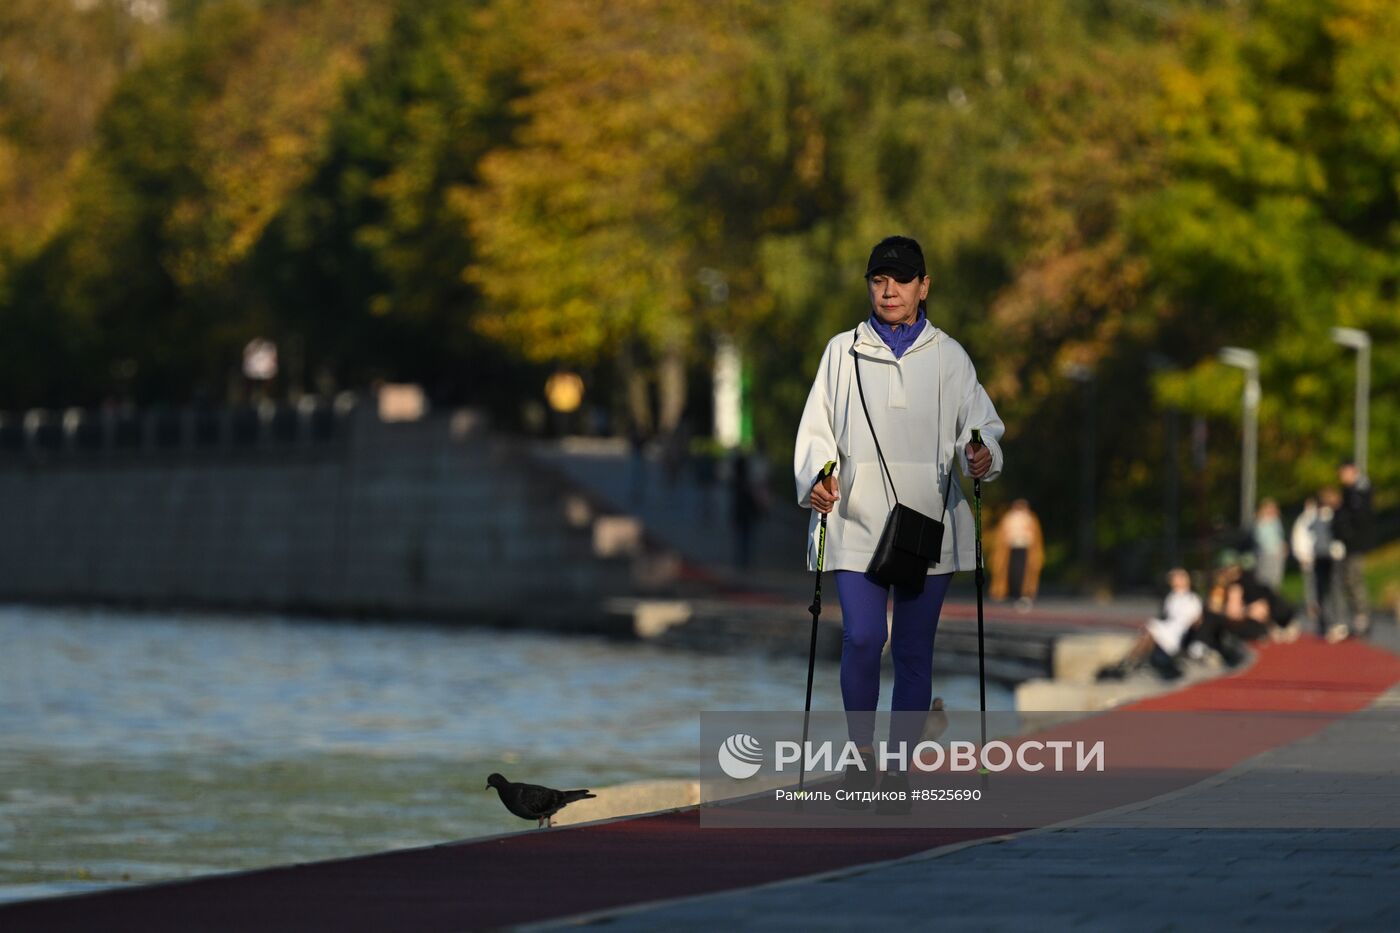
<point x="977" y="576"/>
<point x="816" y="610"/>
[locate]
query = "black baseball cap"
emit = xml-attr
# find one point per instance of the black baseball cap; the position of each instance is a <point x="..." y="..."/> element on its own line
<point x="899" y="256"/>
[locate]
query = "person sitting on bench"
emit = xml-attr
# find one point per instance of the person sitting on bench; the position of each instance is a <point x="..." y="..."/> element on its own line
<point x="1161" y="639"/>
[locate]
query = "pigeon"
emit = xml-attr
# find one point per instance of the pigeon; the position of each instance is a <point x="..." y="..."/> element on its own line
<point x="533" y="802"/>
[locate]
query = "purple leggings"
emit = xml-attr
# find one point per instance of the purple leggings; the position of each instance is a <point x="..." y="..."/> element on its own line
<point x="863" y="603"/>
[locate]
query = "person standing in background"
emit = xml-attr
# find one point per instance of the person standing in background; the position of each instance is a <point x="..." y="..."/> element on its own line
<point x="1301" y="541"/>
<point x="1327" y="554"/>
<point x="1270" y="548"/>
<point x="1353" y="527"/>
<point x="748" y="503"/>
<point x="1017" y="555"/>
<point x="636" y="462"/>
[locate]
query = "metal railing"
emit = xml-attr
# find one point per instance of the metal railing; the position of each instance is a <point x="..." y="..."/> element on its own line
<point x="44" y="435"/>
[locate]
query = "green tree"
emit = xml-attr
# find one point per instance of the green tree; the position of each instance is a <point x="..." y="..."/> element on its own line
<point x="960" y="124"/>
<point x="364" y="261"/>
<point x="1282" y="220"/>
<point x="193" y="152"/>
<point x="585" y="239"/>
<point x="59" y="64"/>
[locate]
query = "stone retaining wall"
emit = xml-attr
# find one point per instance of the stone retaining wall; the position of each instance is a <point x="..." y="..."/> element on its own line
<point x="433" y="518"/>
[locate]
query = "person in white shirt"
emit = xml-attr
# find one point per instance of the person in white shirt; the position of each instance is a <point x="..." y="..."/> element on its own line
<point x="1162" y="637"/>
<point x="1303" y="545"/>
<point x="922" y="401"/>
<point x="1180" y="610"/>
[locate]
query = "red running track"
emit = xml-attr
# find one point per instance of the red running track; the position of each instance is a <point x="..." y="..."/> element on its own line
<point x="536" y="875"/>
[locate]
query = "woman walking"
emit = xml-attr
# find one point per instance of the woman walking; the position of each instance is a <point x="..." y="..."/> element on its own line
<point x="894" y="403"/>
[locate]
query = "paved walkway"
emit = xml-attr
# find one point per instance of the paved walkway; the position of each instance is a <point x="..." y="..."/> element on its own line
<point x="1157" y="865"/>
<point x="1131" y="870"/>
<point x="1100" y="875"/>
<point x="1087" y="878"/>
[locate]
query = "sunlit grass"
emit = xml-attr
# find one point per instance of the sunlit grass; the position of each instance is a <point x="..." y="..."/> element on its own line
<point x="1383" y="576"/>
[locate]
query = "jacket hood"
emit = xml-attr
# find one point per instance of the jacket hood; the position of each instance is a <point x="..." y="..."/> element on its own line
<point x="871" y="344"/>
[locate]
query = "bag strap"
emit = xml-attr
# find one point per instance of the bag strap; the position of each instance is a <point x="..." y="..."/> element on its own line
<point x="884" y="467"/>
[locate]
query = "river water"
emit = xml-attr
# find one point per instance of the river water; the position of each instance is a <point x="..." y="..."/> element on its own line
<point x="137" y="747"/>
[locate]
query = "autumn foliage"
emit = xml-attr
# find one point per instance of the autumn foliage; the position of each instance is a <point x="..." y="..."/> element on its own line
<point x="468" y="194"/>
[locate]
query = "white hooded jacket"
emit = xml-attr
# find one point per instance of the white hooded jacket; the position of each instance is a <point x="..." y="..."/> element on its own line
<point x="923" y="406"/>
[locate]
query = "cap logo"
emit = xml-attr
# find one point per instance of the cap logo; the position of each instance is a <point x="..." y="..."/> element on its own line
<point x="891" y="253"/>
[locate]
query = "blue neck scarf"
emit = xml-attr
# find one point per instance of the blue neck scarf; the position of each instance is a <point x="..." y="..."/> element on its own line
<point x="898" y="337"/>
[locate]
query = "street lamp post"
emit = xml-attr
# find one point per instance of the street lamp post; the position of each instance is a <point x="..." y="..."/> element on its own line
<point x="1248" y="361"/>
<point x="1360" y="341"/>
<point x="728" y="371"/>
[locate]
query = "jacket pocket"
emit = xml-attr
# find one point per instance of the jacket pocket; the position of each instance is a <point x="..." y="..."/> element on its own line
<point x="865" y="504"/>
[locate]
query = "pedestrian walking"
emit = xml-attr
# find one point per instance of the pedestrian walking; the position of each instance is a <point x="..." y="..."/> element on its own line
<point x="1327" y="556"/>
<point x="1354" y="528"/>
<point x="894" y="403"/>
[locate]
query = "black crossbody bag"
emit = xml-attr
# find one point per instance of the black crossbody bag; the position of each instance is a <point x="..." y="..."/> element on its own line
<point x="910" y="540"/>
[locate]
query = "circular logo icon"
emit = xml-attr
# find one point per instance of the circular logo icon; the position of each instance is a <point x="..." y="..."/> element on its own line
<point x="740" y="756"/>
